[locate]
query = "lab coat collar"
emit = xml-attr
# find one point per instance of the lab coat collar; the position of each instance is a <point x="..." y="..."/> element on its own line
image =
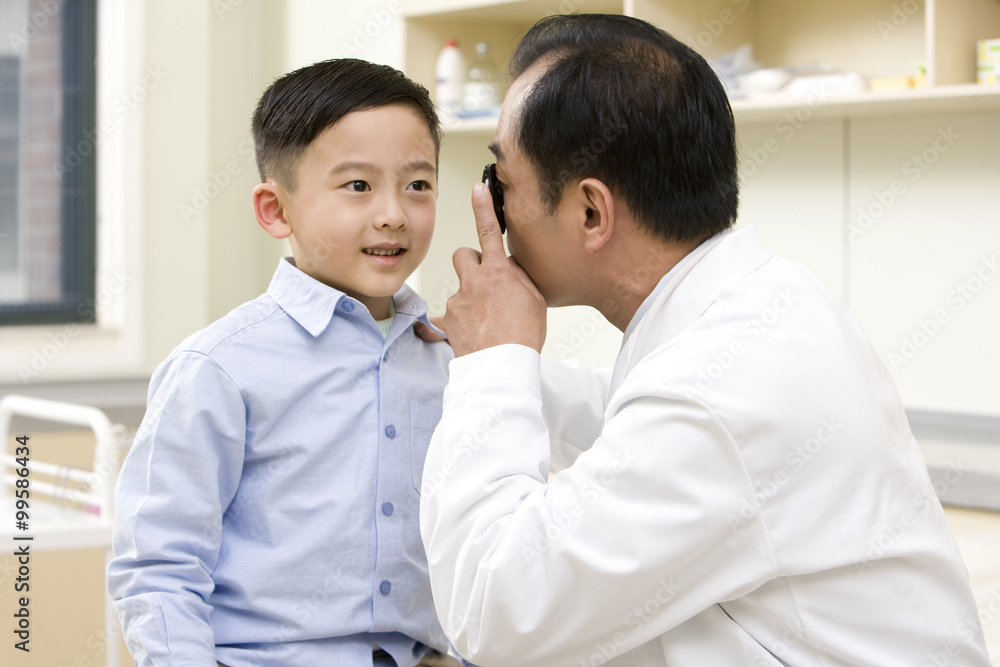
<point x="683" y="295"/>
<point x="680" y="268"/>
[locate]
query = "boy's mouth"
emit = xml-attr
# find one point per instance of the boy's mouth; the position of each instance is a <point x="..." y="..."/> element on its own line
<point x="382" y="252"/>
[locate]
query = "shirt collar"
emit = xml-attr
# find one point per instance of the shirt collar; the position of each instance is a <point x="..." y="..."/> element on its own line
<point x="312" y="304"/>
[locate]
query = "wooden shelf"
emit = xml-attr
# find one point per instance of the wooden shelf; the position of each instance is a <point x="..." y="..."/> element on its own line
<point x="963" y="98"/>
<point x="485" y="125"/>
<point x="499" y="10"/>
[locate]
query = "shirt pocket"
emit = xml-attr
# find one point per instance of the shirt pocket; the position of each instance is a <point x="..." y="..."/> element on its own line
<point x="424" y="418"/>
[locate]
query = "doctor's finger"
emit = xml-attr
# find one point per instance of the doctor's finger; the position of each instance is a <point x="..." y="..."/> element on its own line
<point x="523" y="276"/>
<point x="490" y="238"/>
<point x="465" y="261"/>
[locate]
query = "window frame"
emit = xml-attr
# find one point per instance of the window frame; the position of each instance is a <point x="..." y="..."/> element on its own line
<point x="78" y="187"/>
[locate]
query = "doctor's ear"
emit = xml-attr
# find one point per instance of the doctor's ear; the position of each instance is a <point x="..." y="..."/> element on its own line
<point x="599" y="217"/>
<point x="270" y="211"/>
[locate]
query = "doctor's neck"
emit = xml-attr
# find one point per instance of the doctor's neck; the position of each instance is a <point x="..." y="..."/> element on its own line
<point x="631" y="268"/>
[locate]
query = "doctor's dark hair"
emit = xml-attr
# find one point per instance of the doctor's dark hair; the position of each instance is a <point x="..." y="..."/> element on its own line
<point x="296" y="108"/>
<point x="624" y="102"/>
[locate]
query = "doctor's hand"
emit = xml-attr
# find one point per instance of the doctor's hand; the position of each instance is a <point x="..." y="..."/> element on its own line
<point x="428" y="335"/>
<point x="496" y="302"/>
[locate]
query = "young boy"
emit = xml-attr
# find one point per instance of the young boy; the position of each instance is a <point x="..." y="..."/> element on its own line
<point x="267" y="512"/>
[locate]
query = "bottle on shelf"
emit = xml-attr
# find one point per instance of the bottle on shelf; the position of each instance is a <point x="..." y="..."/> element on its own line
<point x="450" y="75"/>
<point x="481" y="93"/>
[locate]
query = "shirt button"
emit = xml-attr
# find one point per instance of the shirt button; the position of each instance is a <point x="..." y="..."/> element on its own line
<point x="387" y="509"/>
<point x="385" y="587"/>
<point x="390" y="431"/>
<point x="347" y="306"/>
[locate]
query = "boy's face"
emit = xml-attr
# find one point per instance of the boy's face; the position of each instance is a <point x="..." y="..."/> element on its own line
<point x="362" y="215"/>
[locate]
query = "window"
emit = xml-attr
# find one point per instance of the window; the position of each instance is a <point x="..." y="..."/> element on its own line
<point x="47" y="161"/>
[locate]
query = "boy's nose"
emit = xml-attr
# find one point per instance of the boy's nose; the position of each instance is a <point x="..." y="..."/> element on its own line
<point x="391" y="214"/>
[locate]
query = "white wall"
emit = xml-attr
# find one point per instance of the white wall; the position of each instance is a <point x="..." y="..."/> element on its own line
<point x="175" y="219"/>
<point x="367" y="29"/>
<point x="178" y="245"/>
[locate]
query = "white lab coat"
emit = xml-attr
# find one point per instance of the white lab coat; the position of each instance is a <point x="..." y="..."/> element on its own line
<point x="744" y="490"/>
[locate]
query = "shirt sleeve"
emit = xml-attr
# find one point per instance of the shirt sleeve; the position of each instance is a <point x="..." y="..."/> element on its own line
<point x="574" y="397"/>
<point x="176" y="481"/>
<point x="638" y="535"/>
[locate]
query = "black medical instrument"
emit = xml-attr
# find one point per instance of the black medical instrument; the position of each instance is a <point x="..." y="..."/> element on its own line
<point x="496" y="193"/>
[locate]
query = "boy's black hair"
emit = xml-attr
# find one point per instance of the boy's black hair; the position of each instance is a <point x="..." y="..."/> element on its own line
<point x="624" y="102"/>
<point x="296" y="108"/>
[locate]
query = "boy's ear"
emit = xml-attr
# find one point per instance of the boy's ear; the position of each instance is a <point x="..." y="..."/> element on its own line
<point x="270" y="211"/>
<point x="599" y="204"/>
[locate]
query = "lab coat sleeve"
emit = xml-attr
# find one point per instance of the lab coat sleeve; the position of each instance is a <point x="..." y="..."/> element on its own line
<point x="642" y="532"/>
<point x="574" y="397"/>
<point x="180" y="474"/>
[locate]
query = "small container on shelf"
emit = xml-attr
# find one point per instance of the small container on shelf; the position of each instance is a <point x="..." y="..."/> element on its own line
<point x="988" y="70"/>
<point x="449" y="79"/>
<point x="481" y="92"/>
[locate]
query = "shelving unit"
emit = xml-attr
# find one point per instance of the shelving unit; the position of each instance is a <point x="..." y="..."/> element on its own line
<point x="959" y="98"/>
<point x="817" y="186"/>
<point x="874" y="38"/>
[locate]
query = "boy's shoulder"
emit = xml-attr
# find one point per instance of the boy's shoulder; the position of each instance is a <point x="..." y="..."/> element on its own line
<point x="239" y="323"/>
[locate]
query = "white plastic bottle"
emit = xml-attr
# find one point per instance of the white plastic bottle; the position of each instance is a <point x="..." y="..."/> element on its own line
<point x="450" y="73"/>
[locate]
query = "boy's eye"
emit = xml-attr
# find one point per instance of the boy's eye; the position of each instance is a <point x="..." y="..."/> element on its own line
<point x="420" y="185"/>
<point x="358" y="186"/>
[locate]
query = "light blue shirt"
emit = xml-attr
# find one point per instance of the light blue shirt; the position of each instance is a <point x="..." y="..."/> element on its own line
<point x="267" y="513"/>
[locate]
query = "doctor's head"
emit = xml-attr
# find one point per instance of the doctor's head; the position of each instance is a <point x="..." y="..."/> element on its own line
<point x="610" y="120"/>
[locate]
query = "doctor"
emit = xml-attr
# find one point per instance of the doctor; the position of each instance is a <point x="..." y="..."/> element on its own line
<point x="743" y="489"/>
